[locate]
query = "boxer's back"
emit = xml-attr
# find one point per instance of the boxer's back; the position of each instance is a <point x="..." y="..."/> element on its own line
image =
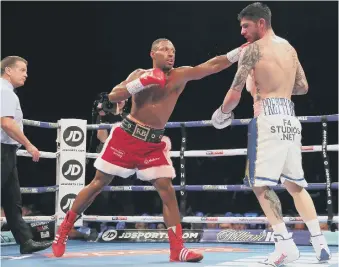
<point x="154" y="105"/>
<point x="274" y="74"/>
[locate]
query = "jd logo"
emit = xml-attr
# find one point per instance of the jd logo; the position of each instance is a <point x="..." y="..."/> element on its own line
<point x="109" y="235"/>
<point x="67" y="202"/>
<point x="72" y="170"/>
<point x="73" y="136"/>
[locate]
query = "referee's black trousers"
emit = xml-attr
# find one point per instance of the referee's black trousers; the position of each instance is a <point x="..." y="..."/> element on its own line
<point x="11" y="196"/>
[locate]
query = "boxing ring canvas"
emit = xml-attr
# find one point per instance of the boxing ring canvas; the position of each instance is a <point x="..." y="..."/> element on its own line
<point x="80" y="253"/>
<point x="124" y="248"/>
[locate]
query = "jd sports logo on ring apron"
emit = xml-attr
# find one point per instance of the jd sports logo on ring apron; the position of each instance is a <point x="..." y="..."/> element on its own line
<point x="72" y="170"/>
<point x="73" y="136"/>
<point x="67" y="202"/>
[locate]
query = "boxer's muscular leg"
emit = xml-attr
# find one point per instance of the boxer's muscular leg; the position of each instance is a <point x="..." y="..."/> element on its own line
<point x="285" y="249"/>
<point x="306" y="209"/>
<point x="302" y="201"/>
<point x="169" y="201"/>
<point x="269" y="203"/>
<point x="80" y="204"/>
<point x="172" y="220"/>
<point x="87" y="195"/>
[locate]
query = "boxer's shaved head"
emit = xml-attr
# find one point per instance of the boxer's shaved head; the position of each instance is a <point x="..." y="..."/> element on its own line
<point x="163" y="54"/>
<point x="156" y="43"/>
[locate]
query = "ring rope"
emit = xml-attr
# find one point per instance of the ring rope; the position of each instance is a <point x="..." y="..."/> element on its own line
<point x="304" y="119"/>
<point x="208" y="123"/>
<point x="40" y="124"/>
<point x="190" y="153"/>
<point x="187" y="219"/>
<point x="140" y="188"/>
<point x="194" y="219"/>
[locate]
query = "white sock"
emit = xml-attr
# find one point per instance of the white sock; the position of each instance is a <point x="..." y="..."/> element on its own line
<point x="174" y="229"/>
<point x="280" y="229"/>
<point x="314" y="227"/>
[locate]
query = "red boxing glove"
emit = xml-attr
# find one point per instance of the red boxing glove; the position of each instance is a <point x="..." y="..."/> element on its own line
<point x="153" y="77"/>
<point x="146" y="80"/>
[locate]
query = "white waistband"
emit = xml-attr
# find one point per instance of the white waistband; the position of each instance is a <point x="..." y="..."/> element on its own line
<point x="274" y="106"/>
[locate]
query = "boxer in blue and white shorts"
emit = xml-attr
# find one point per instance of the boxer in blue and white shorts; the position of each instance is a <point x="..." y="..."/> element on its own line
<point x="274" y="144"/>
<point x="272" y="72"/>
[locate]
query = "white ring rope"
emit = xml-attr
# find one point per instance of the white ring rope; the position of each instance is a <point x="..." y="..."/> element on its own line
<point x="188" y="219"/>
<point x="43" y="154"/>
<point x="33" y="219"/>
<point x="189" y="153"/>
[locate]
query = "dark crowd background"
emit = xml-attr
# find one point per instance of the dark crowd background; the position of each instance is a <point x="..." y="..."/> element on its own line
<point x="75" y="50"/>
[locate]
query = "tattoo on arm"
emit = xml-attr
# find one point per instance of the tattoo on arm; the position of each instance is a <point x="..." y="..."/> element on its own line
<point x="275" y="204"/>
<point x="247" y="62"/>
<point x="300" y="77"/>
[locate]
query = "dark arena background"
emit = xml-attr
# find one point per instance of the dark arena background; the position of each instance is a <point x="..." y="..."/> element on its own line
<point x="76" y="50"/>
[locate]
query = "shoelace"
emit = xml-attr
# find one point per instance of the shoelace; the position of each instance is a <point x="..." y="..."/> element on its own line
<point x="63" y="234"/>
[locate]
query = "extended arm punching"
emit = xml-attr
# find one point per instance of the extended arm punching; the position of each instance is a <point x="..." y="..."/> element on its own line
<point x="212" y="66"/>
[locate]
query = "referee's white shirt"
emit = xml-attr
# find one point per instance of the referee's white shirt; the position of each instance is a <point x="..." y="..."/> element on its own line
<point x="10" y="107"/>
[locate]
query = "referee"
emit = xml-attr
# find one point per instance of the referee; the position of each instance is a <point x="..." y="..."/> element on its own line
<point x="14" y="75"/>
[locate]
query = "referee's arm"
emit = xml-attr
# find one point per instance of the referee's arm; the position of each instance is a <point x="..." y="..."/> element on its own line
<point x="9" y="125"/>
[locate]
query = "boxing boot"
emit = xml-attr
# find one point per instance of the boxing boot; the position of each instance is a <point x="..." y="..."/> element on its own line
<point x="321" y="249"/>
<point x="59" y="243"/>
<point x="177" y="250"/>
<point x="285" y="251"/>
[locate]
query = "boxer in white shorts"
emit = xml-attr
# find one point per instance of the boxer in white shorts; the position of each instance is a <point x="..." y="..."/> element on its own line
<point x="274" y="144"/>
<point x="272" y="72"/>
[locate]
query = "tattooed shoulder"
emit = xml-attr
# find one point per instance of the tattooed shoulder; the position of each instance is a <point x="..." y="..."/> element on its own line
<point x="251" y="55"/>
<point x="247" y="61"/>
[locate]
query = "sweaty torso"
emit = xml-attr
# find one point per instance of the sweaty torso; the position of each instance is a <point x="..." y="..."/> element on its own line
<point x="153" y="106"/>
<point x="274" y="74"/>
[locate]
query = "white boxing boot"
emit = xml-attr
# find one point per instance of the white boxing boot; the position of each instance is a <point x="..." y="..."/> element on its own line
<point x="321" y="249"/>
<point x="286" y="251"/>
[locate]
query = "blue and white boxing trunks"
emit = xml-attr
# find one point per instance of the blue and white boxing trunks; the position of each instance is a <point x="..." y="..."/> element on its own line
<point x="274" y="145"/>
